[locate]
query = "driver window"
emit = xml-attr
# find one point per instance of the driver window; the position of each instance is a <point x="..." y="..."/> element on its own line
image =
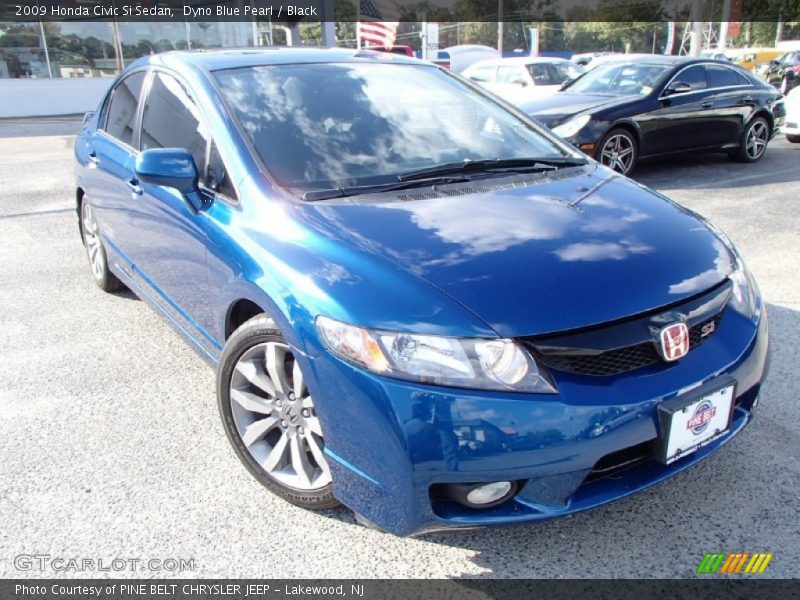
<point x="695" y="76"/>
<point x="172" y="120"/>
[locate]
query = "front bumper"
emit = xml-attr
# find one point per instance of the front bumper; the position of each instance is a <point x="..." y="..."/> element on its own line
<point x="389" y="441"/>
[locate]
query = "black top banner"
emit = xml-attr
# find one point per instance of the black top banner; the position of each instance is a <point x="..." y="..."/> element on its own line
<point x="292" y="11"/>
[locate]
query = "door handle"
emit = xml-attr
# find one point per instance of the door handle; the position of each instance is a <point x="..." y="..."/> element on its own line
<point x="136" y="189"/>
<point x="747" y="99"/>
<point x="93" y="160"/>
<point x="707" y="104"/>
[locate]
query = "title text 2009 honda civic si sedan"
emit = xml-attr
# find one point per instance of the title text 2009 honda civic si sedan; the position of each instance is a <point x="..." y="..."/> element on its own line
<point x="420" y="304"/>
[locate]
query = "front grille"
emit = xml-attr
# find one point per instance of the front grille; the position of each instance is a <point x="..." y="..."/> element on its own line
<point x="631" y="344"/>
<point x="612" y="362"/>
<point x="620" y="360"/>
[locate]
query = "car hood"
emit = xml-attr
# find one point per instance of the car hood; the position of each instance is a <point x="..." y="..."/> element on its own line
<point x="560" y="106"/>
<point x="542" y="254"/>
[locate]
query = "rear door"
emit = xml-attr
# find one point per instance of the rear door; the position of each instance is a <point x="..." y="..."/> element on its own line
<point x="733" y="102"/>
<point x="111" y="154"/>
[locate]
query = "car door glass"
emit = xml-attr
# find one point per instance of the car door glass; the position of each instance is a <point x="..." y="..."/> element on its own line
<point x="216" y="177"/>
<point x="172" y="120"/>
<point x="721" y="77"/>
<point x="513" y="75"/>
<point x="695" y="76"/>
<point x="121" y="114"/>
<point x="483" y="74"/>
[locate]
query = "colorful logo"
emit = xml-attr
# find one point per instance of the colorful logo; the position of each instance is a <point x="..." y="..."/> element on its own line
<point x="704" y="412"/>
<point x="674" y="341"/>
<point x="734" y="562"/>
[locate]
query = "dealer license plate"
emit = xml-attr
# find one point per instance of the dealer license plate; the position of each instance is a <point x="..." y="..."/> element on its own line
<point x="690" y="425"/>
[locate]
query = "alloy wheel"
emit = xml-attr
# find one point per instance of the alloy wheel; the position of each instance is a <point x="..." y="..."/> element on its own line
<point x="757" y="139"/>
<point x="91" y="240"/>
<point x="276" y="419"/>
<point x="618" y="153"/>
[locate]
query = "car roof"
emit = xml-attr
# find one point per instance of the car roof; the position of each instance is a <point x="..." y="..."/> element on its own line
<point x="656" y="59"/>
<point x="234" y="58"/>
<point x="518" y="60"/>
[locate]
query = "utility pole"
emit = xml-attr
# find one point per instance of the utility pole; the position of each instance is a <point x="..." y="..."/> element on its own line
<point x="696" y="43"/>
<point x="328" y="24"/>
<point x="500" y="27"/>
<point x="723" y="27"/>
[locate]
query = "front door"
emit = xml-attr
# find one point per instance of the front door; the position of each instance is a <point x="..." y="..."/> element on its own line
<point x="681" y="121"/>
<point x="168" y="244"/>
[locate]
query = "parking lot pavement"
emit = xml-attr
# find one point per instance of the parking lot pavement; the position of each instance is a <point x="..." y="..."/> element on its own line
<point x="110" y="445"/>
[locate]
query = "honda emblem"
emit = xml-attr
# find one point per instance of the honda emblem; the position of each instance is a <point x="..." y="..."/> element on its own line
<point x="674" y="341"/>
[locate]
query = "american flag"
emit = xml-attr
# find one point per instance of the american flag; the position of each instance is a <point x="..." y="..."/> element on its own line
<point x="371" y="29"/>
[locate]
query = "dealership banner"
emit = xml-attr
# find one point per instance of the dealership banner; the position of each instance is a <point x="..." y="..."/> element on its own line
<point x="288" y="11"/>
<point x="435" y="589"/>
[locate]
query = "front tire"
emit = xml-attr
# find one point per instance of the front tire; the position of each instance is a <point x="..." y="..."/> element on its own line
<point x="618" y="151"/>
<point x="754" y="141"/>
<point x="793" y="139"/>
<point x="95" y="251"/>
<point x="270" y="418"/>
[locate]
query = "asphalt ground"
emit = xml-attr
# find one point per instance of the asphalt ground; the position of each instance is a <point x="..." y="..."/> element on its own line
<point x="111" y="447"/>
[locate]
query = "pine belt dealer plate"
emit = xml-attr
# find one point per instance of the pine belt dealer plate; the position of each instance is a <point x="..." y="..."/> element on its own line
<point x="692" y="421"/>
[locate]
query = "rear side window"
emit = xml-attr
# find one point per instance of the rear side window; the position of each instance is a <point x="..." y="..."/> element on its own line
<point x="172" y="120"/>
<point x="695" y="76"/>
<point x="121" y="114"/>
<point x="723" y="77"/>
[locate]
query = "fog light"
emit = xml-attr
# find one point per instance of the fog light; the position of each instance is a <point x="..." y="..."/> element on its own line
<point x="489" y="493"/>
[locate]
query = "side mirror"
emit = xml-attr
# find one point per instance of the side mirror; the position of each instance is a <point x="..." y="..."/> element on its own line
<point x="565" y="83"/>
<point x="521" y="83"/>
<point x="677" y="87"/>
<point x="88" y="117"/>
<point x="171" y="167"/>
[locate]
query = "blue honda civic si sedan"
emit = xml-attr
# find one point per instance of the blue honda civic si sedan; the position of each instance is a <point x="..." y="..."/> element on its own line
<point x="419" y="303"/>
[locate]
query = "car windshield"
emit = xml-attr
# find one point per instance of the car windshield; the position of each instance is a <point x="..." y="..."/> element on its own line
<point x="354" y="124"/>
<point x="552" y="73"/>
<point x="621" y="78"/>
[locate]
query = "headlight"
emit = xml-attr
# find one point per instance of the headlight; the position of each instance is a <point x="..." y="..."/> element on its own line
<point x="573" y="126"/>
<point x="436" y="360"/>
<point x="745" y="291"/>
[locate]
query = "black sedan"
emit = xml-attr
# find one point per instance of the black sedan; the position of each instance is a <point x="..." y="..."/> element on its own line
<point x="784" y="71"/>
<point x="651" y="107"/>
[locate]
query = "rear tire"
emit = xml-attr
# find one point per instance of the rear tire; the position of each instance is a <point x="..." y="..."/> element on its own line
<point x="753" y="144"/>
<point x="270" y="418"/>
<point x="95" y="251"/>
<point x="793" y="139"/>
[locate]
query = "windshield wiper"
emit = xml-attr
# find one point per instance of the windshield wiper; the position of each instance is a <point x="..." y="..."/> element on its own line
<point x="342" y="192"/>
<point x="494" y="164"/>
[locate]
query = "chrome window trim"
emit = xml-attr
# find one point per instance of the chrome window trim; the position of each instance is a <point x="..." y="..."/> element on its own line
<point x="661" y="96"/>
